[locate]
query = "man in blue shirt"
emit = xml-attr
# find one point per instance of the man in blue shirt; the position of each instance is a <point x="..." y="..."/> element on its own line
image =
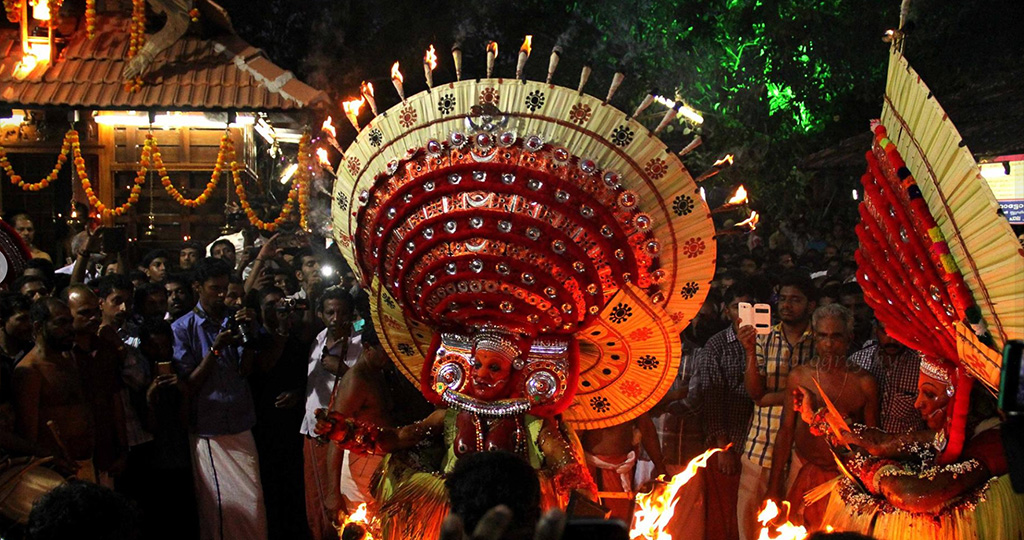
<point x="209" y="356"/>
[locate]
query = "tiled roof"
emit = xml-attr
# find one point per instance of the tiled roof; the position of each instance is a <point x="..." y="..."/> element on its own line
<point x="219" y="73"/>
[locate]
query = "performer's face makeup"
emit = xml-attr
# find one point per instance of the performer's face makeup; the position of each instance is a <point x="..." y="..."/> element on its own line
<point x="491" y="373"/>
<point x="931" y="401"/>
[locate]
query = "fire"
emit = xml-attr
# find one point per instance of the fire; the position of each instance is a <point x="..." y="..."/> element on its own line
<point x="740" y="197"/>
<point x="785" y="531"/>
<point x="366" y="88"/>
<point x="724" y="162"/>
<point x="492" y="47"/>
<point x="751" y="221"/>
<point x="361" y="518"/>
<point x="396" y="75"/>
<point x="328" y="127"/>
<point x="429" y="59"/>
<point x="351" y="108"/>
<point x="524" y="49"/>
<point x="654" y="510"/>
<point x="321" y="155"/>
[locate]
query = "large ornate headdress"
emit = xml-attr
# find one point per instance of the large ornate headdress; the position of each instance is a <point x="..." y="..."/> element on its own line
<point x="539" y="210"/>
<point x="14" y="254"/>
<point x="939" y="265"/>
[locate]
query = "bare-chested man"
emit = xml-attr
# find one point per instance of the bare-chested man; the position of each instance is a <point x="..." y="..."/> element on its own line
<point x="48" y="386"/>
<point x="851" y="389"/>
<point x="611" y="457"/>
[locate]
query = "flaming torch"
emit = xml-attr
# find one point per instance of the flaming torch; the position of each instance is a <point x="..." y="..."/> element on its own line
<point x="397" y="80"/>
<point x="785" y="531"/>
<point x="556" y="53"/>
<point x="429" y="63"/>
<point x="743" y="227"/>
<point x="351" y="108"/>
<point x="457" y="59"/>
<point x="738" y="199"/>
<point x="366" y="90"/>
<point x="331" y="134"/>
<point x="357" y="526"/>
<point x="321" y="156"/>
<point x="524" y="54"/>
<point x="716" y="168"/>
<point x="492" y="53"/>
<point x="655" y="509"/>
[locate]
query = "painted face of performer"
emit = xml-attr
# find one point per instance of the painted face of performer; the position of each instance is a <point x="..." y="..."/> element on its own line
<point x="491" y="373"/>
<point x="932" y="400"/>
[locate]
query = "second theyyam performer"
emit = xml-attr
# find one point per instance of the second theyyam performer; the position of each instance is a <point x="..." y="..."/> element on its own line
<point x="532" y="255"/>
<point x="942" y="271"/>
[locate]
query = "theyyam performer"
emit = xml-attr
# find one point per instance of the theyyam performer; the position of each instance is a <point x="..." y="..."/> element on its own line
<point x="942" y="270"/>
<point x="532" y="254"/>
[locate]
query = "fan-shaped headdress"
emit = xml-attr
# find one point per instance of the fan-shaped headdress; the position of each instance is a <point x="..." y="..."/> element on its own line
<point x="543" y="219"/>
<point x="939" y="266"/>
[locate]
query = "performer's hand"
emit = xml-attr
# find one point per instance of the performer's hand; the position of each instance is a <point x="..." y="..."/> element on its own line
<point x="804" y="402"/>
<point x="492" y="526"/>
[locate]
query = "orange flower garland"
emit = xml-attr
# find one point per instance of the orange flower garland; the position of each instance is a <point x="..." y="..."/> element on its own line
<point x="194" y="14"/>
<point x="13" y="8"/>
<point x="94" y="202"/>
<point x="45" y="182"/>
<point x="136" y="40"/>
<point x="90" y="18"/>
<point x="286" y="210"/>
<point x="227" y="149"/>
<point x="305" y="157"/>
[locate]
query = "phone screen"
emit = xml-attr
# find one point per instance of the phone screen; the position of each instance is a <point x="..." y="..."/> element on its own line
<point x="595" y="529"/>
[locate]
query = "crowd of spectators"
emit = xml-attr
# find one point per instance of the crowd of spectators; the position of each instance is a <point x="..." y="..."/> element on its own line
<point x="188" y="380"/>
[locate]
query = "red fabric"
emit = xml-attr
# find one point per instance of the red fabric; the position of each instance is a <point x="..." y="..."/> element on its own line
<point x="809" y="477"/>
<point x="987" y="448"/>
<point x="721" y="494"/>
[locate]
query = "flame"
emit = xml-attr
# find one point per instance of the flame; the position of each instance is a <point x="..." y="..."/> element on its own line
<point x="430" y="59"/>
<point x="740" y="197"/>
<point x="724" y="162"/>
<point x="367" y="87"/>
<point x="360" y="517"/>
<point x="492" y="47"/>
<point x="328" y="127"/>
<point x="321" y="154"/>
<point x="524" y="49"/>
<point x="352" y="106"/>
<point x="785" y="531"/>
<point x="654" y="510"/>
<point x="752" y="221"/>
<point x="395" y="74"/>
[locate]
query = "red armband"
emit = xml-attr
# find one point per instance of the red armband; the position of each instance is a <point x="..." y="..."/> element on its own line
<point x="573" y="477"/>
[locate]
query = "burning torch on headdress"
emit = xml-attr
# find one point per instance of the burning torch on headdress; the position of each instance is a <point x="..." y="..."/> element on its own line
<point x="743" y="227"/>
<point x="397" y="79"/>
<point x="492" y="53"/>
<point x="739" y="198"/>
<point x="524" y="54"/>
<point x="366" y="90"/>
<point x="331" y="134"/>
<point x="351" y="108"/>
<point x="716" y="168"/>
<point x="429" y="63"/>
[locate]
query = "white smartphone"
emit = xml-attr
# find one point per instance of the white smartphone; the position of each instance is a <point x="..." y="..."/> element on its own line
<point x="758" y="315"/>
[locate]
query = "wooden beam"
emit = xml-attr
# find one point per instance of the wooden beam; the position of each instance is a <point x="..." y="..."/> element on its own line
<point x="105" y="155"/>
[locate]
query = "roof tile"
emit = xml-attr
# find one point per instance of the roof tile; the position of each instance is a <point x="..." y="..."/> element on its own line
<point x="195" y="73"/>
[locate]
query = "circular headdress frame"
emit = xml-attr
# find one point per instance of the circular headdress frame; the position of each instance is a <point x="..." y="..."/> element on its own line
<point x="537" y="208"/>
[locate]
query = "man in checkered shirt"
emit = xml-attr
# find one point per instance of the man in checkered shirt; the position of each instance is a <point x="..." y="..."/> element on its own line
<point x="896" y="369"/>
<point x="726" y="418"/>
<point x="769" y="358"/>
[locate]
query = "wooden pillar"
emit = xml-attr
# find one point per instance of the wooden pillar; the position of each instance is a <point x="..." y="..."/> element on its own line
<point x="105" y="154"/>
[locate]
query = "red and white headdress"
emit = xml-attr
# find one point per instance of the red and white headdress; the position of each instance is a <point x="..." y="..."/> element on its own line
<point x="539" y="210"/>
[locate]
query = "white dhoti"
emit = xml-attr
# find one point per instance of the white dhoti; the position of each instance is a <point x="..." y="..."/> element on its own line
<point x="356" y="473"/>
<point x="229" y="495"/>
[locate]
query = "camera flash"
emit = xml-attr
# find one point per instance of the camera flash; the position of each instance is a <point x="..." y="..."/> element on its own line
<point x="326" y="270"/>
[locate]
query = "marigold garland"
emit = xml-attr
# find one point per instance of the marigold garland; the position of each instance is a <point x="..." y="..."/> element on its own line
<point x="45" y="182"/>
<point x="304" y="157"/>
<point x="227" y="149"/>
<point x="13" y="8"/>
<point x="90" y="18"/>
<point x="194" y="14"/>
<point x="94" y="201"/>
<point x="299" y="184"/>
<point x="136" y="40"/>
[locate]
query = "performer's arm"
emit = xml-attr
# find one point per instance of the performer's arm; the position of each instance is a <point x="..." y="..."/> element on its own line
<point x="409" y="436"/>
<point x="753" y="378"/>
<point x="567" y="472"/>
<point x="783" y="446"/>
<point x="930" y="494"/>
<point x="889" y="445"/>
<point x="649" y="438"/>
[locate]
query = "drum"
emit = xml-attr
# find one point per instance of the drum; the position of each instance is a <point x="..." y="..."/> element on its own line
<point x="22" y="482"/>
